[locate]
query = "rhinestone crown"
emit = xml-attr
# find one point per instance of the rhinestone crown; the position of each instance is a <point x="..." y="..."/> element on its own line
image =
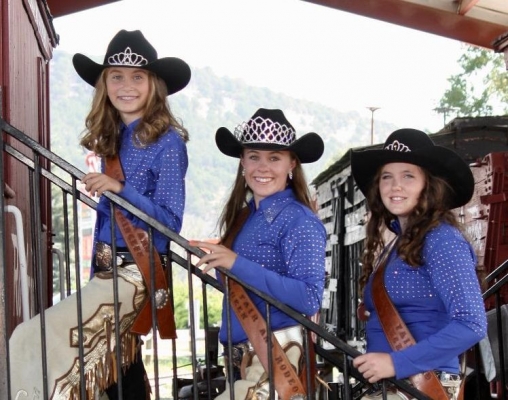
<point x="397" y="146"/>
<point x="264" y="130"/>
<point x="127" y="58"/>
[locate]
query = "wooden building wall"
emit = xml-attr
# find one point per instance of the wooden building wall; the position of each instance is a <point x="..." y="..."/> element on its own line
<point x="26" y="49"/>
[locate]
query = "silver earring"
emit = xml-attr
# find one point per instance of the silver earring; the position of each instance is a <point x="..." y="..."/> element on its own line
<point x="243" y="172"/>
<point x="290" y="174"/>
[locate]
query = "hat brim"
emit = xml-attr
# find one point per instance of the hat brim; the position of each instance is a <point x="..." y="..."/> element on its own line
<point x="173" y="71"/>
<point x="308" y="148"/>
<point x="439" y="161"/>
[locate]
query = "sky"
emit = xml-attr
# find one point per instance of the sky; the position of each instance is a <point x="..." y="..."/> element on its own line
<point x="301" y="49"/>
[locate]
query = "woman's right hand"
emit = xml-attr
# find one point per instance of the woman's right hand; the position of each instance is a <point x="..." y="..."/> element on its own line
<point x="96" y="184"/>
<point x="218" y="255"/>
<point x="375" y="366"/>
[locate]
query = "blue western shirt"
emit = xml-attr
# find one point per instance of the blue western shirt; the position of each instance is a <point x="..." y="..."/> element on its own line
<point x="154" y="182"/>
<point x="281" y="252"/>
<point x="440" y="302"/>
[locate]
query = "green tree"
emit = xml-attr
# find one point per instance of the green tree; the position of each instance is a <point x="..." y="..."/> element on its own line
<point x="182" y="304"/>
<point x="480" y="88"/>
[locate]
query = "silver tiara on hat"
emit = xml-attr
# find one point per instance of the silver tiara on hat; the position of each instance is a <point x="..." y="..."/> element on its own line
<point x="127" y="58"/>
<point x="265" y="130"/>
<point x="268" y="129"/>
<point x="397" y="146"/>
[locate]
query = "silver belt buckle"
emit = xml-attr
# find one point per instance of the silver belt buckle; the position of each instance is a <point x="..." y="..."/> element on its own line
<point x="446" y="377"/>
<point x="237" y="353"/>
<point x="104" y="256"/>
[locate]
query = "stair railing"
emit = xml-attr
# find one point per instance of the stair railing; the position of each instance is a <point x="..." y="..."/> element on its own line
<point x="334" y="355"/>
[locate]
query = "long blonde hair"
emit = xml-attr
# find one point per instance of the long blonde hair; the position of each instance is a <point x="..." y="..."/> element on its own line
<point x="103" y="120"/>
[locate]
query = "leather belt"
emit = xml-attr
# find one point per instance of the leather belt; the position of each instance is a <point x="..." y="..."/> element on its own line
<point x="103" y="260"/>
<point x="448" y="377"/>
<point x="284" y="336"/>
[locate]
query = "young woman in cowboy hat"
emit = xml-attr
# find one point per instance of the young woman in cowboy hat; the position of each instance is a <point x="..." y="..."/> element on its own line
<point x="130" y="117"/>
<point x="130" y="120"/>
<point x="280" y="248"/>
<point x="411" y="186"/>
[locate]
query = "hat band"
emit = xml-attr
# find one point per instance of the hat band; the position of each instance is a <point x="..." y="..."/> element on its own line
<point x="264" y="130"/>
<point x="127" y="58"/>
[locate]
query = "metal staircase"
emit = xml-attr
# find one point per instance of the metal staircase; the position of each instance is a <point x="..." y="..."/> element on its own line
<point x="46" y="169"/>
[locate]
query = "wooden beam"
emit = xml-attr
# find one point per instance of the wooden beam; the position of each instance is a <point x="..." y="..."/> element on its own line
<point x="59" y="8"/>
<point x="427" y="19"/>
<point x="466" y="6"/>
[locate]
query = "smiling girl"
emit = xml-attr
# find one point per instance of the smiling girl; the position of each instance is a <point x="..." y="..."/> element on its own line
<point x="131" y="118"/>
<point x="131" y="126"/>
<point x="428" y="270"/>
<point x="279" y="248"/>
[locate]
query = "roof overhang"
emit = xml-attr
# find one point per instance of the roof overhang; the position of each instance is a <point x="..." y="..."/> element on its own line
<point x="478" y="22"/>
<point x="59" y="8"/>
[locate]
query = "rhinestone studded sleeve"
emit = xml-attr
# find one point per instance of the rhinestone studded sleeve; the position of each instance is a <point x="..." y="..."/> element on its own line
<point x="440" y="302"/>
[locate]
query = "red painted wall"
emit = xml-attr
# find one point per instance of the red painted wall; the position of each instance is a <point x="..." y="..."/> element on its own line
<point x="27" y="46"/>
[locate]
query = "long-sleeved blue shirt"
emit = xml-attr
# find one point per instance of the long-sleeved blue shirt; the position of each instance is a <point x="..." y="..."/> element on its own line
<point x="281" y="252"/>
<point x="440" y="302"/>
<point x="154" y="182"/>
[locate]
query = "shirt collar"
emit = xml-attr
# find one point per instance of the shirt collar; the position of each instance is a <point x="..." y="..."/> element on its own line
<point x="131" y="126"/>
<point x="126" y="131"/>
<point x="395" y="226"/>
<point x="271" y="206"/>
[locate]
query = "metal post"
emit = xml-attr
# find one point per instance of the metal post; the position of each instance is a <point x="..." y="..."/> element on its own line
<point x="372" y="109"/>
<point x="4" y="299"/>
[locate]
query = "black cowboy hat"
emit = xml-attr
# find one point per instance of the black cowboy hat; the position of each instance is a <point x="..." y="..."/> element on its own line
<point x="269" y="130"/>
<point x="415" y="147"/>
<point x="131" y="49"/>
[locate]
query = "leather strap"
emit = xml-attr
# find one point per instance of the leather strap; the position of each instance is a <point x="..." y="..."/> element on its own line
<point x="138" y="244"/>
<point x="287" y="382"/>
<point x="397" y="333"/>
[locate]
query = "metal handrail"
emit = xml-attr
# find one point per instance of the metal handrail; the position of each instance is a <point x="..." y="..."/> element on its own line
<point x="337" y="353"/>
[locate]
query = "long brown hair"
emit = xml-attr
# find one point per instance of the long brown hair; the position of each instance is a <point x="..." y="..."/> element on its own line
<point x="241" y="194"/>
<point x="432" y="208"/>
<point x="103" y="120"/>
